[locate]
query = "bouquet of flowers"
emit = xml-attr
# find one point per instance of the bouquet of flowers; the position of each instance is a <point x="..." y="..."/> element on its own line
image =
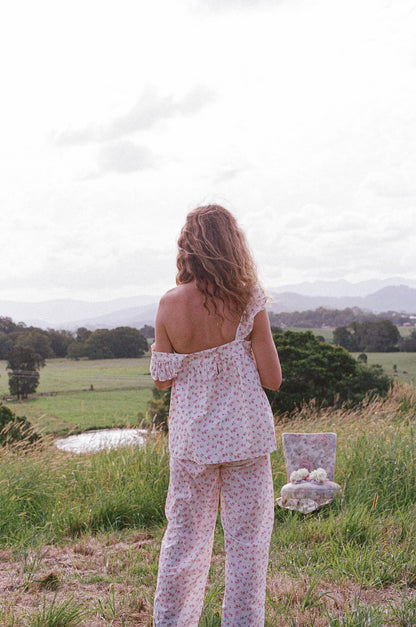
<point x="303" y="474"/>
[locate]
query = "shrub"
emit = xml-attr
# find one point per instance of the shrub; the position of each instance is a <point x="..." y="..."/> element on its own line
<point x="313" y="369"/>
<point x="14" y="428"/>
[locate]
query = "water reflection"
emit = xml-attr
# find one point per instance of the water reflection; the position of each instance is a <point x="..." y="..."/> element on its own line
<point x="93" y="441"/>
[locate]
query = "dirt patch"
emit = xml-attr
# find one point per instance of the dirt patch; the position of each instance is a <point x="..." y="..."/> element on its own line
<point x="308" y="604"/>
<point x="112" y="576"/>
<point x="99" y="574"/>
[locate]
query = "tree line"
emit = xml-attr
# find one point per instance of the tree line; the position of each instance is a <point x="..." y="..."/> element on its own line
<point x="99" y="344"/>
<point x="332" y="318"/>
<point x="380" y="336"/>
<point x="26" y="349"/>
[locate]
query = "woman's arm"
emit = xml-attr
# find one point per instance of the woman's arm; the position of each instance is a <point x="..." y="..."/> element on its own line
<point x="265" y="352"/>
<point x="162" y="341"/>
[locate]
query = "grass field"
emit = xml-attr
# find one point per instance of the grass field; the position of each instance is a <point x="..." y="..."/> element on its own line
<point x="83" y="550"/>
<point x="65" y="401"/>
<point x="405" y="362"/>
<point x="64" y="375"/>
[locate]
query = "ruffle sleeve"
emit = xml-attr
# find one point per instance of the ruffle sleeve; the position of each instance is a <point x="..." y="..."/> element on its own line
<point x="165" y="366"/>
<point x="256" y="303"/>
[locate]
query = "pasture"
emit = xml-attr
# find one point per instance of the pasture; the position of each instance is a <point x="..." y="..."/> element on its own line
<point x="405" y="363"/>
<point x="121" y="389"/>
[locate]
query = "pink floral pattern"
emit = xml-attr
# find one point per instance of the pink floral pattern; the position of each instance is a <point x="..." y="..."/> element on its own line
<point x="247" y="516"/>
<point x="218" y="410"/>
<point x="311" y="451"/>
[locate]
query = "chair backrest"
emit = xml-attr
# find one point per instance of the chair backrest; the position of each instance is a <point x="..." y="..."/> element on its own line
<point x="311" y="451"/>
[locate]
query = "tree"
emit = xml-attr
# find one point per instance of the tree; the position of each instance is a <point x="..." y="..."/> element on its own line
<point x="36" y="339"/>
<point x="115" y="343"/>
<point x="14" y="428"/>
<point x="127" y="342"/>
<point x="7" y="325"/>
<point x="24" y="377"/>
<point x="343" y="337"/>
<point x="98" y="345"/>
<point x="317" y="370"/>
<point x="82" y="334"/>
<point x="76" y="349"/>
<point x="408" y="344"/>
<point x="60" y="340"/>
<point x="371" y="336"/>
<point x="6" y="345"/>
<point x="148" y="331"/>
<point x="380" y="336"/>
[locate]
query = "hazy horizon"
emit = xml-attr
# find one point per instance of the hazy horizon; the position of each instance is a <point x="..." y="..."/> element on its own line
<point x="344" y="288"/>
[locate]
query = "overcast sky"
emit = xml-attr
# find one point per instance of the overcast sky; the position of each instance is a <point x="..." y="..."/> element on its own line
<point x="118" y="117"/>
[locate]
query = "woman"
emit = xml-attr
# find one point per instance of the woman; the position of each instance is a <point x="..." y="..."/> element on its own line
<point x="214" y="346"/>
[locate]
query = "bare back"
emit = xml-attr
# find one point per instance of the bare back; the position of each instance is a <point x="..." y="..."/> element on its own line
<point x="184" y="325"/>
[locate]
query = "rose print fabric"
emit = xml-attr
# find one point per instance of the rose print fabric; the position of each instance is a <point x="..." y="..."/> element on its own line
<point x="310" y="450"/>
<point x="218" y="410"/>
<point x="247" y="514"/>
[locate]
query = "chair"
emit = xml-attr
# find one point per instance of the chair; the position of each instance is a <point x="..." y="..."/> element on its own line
<point x="310" y="451"/>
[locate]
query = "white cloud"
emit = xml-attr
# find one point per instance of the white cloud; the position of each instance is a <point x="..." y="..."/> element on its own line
<point x="151" y="109"/>
<point x="123" y="157"/>
<point x="233" y="5"/>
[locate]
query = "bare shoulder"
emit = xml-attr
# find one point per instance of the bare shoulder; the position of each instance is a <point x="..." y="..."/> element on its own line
<point x="174" y="299"/>
<point x="175" y="296"/>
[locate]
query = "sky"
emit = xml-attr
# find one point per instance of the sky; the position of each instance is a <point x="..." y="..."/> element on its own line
<point x="119" y="117"/>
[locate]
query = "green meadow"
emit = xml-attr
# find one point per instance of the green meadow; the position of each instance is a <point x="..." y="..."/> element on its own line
<point x="405" y="363"/>
<point x="81" y="395"/>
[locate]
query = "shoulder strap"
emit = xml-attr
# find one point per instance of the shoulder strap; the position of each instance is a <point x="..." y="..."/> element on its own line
<point x="256" y="303"/>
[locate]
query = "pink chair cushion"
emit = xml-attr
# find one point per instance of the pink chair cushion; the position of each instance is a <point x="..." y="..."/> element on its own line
<point x="311" y="451"/>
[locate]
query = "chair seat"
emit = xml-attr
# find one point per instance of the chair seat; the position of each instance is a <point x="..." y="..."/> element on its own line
<point x="307" y="496"/>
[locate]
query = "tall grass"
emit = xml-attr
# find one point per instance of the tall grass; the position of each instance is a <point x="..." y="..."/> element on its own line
<point x="47" y="495"/>
<point x="351" y="563"/>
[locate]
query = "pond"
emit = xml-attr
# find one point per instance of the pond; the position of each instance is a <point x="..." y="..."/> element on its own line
<point x="94" y="441"/>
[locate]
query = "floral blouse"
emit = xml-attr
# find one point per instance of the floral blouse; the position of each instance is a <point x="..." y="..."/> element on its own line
<point x="219" y="411"/>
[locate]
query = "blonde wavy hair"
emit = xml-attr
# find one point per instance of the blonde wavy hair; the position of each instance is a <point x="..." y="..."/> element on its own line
<point x="213" y="252"/>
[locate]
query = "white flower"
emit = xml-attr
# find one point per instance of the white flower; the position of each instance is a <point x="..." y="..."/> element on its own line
<point x="318" y="475"/>
<point x="299" y="475"/>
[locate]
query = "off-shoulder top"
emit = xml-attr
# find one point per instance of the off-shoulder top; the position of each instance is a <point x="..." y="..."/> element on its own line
<point x="219" y="411"/>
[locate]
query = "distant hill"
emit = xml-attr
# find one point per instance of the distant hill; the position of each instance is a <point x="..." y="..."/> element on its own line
<point x="67" y="313"/>
<point x="140" y="310"/>
<point x="342" y="288"/>
<point x="400" y="298"/>
<point x="135" y="317"/>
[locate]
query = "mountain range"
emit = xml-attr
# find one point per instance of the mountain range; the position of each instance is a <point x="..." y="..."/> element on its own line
<point x="343" y="288"/>
<point x="137" y="311"/>
<point x="400" y="298"/>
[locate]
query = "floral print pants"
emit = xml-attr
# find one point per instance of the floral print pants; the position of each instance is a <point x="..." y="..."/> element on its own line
<point x="247" y="515"/>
